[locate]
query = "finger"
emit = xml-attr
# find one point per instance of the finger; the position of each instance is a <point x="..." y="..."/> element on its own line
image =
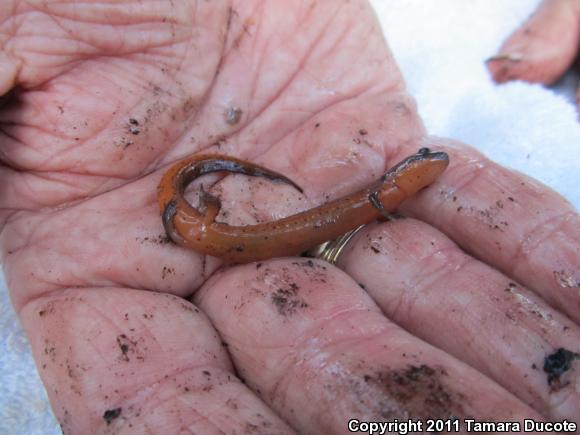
<point x="137" y="362"/>
<point x="426" y="284"/>
<point x="507" y="220"/>
<point x="316" y="348"/>
<point x="543" y="48"/>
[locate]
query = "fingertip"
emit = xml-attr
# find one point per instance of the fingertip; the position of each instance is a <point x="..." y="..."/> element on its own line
<point x="500" y="69"/>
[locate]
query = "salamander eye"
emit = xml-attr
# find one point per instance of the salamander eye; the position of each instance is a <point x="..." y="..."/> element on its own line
<point x="423" y="151"/>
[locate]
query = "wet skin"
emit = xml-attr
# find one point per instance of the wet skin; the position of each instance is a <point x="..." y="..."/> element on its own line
<point x="451" y="311"/>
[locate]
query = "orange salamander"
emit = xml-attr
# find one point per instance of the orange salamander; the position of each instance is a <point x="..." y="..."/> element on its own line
<point x="292" y="235"/>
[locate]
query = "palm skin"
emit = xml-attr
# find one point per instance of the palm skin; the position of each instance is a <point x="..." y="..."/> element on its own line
<point x="107" y="95"/>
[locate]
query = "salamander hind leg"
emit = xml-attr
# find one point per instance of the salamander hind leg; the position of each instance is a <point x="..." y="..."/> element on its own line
<point x="211" y="205"/>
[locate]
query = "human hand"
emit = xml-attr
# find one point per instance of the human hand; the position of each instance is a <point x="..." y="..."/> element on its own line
<point x="543" y="48"/>
<point x="121" y="91"/>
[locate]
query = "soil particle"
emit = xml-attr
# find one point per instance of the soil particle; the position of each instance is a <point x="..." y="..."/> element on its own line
<point x="556" y="364"/>
<point x="489" y="216"/>
<point x="133" y="126"/>
<point x="186" y="306"/>
<point x="161" y="239"/>
<point x="189" y="104"/>
<point x="313" y="270"/>
<point x="47" y="309"/>
<point x="510" y="287"/>
<point x="285" y="294"/>
<point x="126" y="346"/>
<point x="233" y="115"/>
<point x="112" y="414"/>
<point x="287" y="301"/>
<point x="50" y="351"/>
<point x="167" y="271"/>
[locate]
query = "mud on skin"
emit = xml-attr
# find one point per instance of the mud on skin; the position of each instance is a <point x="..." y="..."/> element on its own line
<point x="556" y="365"/>
<point x="420" y="388"/>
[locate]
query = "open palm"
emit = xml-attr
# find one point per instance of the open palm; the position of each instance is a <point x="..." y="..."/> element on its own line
<point x="104" y="96"/>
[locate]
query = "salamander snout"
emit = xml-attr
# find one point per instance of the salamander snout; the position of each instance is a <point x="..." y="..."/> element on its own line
<point x="426" y="153"/>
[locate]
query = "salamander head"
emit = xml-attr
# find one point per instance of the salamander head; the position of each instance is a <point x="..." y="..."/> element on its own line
<point x="419" y="170"/>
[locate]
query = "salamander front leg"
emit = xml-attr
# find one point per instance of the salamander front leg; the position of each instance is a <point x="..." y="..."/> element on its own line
<point x="376" y="202"/>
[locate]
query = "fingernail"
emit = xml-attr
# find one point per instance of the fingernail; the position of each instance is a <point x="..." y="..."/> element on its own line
<point x="512" y="57"/>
